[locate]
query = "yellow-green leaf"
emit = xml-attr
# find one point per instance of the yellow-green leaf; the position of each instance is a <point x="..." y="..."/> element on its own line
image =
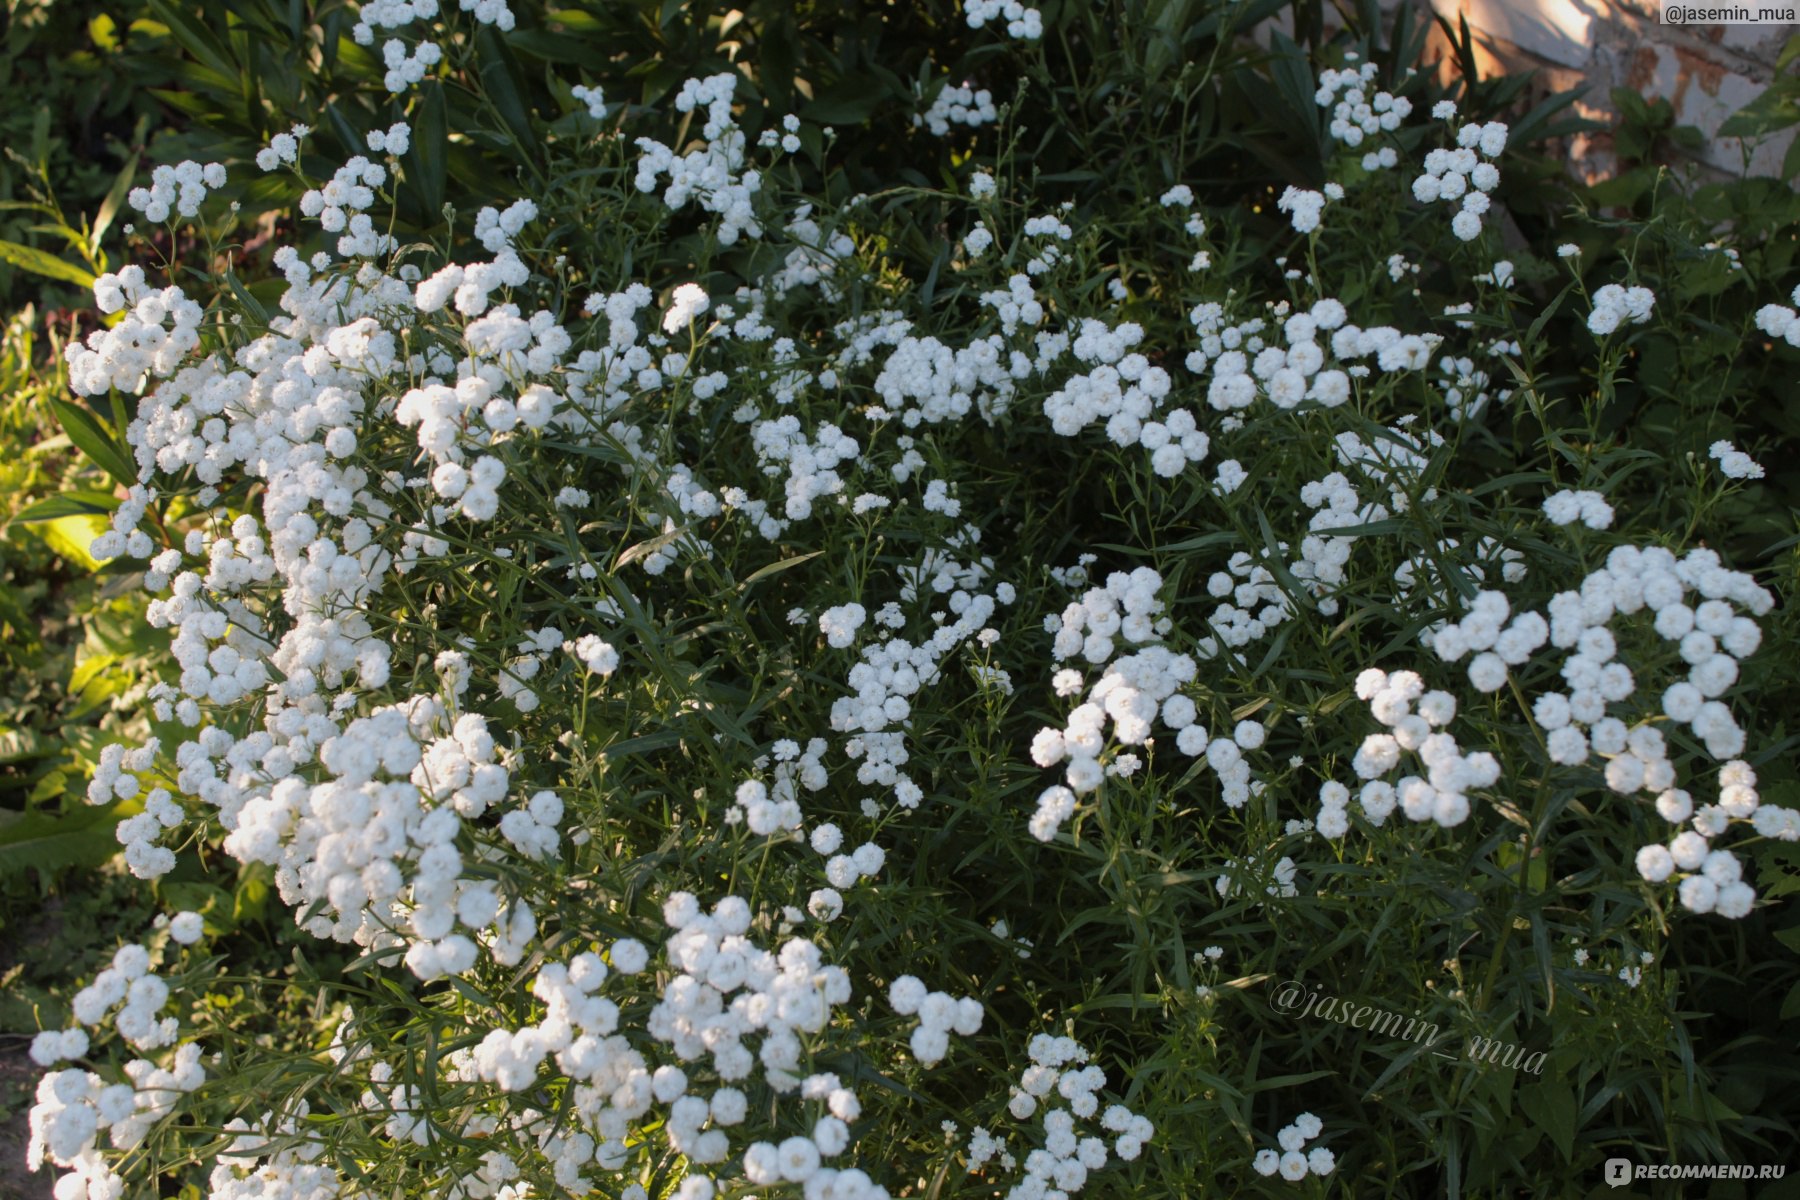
<point x="70" y="537"/>
<point x="39" y="263"/>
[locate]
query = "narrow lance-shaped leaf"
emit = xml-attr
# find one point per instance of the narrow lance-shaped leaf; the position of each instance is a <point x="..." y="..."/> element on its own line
<point x="95" y="440"/>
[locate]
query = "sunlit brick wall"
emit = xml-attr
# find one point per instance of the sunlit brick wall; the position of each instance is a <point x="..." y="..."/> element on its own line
<point x="1705" y="72"/>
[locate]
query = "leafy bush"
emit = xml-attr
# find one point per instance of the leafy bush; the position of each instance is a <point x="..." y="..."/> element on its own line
<point x="808" y="651"/>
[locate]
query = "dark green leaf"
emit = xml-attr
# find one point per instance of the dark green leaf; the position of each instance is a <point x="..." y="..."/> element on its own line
<point x="65" y="504"/>
<point x="95" y="440"/>
<point x="501" y="82"/>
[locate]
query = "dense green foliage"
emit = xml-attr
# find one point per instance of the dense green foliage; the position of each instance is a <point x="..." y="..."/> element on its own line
<point x="1512" y="927"/>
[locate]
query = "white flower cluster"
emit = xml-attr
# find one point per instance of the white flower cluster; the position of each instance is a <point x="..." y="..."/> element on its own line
<point x="1021" y="22"/>
<point x="939" y="1013"/>
<point x="714" y="175"/>
<point x="1496" y="644"/>
<point x="1226" y="756"/>
<point x="1244" y="366"/>
<point x="1568" y="506"/>
<point x="1712" y="880"/>
<point x="1292" y="1163"/>
<point x="1780" y="321"/>
<point x="532" y="829"/>
<point x="798" y="1159"/>
<point x="404" y="67"/>
<point x="840" y="623"/>
<point x="139" y="995"/>
<point x="116" y="778"/>
<point x="282" y="148"/>
<point x="1734" y="463"/>
<point x="489" y="12"/>
<point x="253" y="1168"/>
<point x="688" y="302"/>
<point x="339" y="206"/>
<point x="893" y="670"/>
<point x="52" y="1046"/>
<point x="844" y="870"/>
<point x="1711" y="636"/>
<point x="1251" y="603"/>
<point x="765" y="813"/>
<point x="1465" y="387"/>
<point x="1464" y="176"/>
<point x="1067" y="1159"/>
<point x="1133" y="693"/>
<point x="926" y="382"/>
<point x="962" y="104"/>
<point x="1432" y="572"/>
<point x="1320" y="569"/>
<point x="400" y="784"/>
<point x="1577" y="725"/>
<point x="597" y="656"/>
<point x="495" y="230"/>
<point x="389" y="14"/>
<point x="593" y="97"/>
<point x="73" y="1106"/>
<point x="815" y="258"/>
<point x="1125" y="390"/>
<point x="1303" y="206"/>
<point x="1126" y="607"/>
<point x="139" y="344"/>
<point x="1416" y="721"/>
<point x="181" y="188"/>
<point x="1615" y="306"/>
<point x="810" y="466"/>
<point x="1356" y="115"/>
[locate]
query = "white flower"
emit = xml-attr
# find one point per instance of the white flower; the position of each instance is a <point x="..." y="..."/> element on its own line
<point x="1734" y="463"/>
<point x="689" y="301"/>
<point x="186" y="927"/>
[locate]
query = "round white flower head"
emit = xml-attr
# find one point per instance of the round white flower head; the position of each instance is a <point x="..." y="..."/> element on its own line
<point x="689" y="301"/>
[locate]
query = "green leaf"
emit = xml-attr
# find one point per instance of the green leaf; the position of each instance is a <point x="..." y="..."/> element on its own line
<point x="95" y="440"/>
<point x="501" y="82"/>
<point x="775" y="568"/>
<point x="71" y="536"/>
<point x="349" y="137"/>
<point x="1551" y="1107"/>
<point x="1294" y="81"/>
<point x="65" y="504"/>
<point x="1777" y="108"/>
<point x="207" y="899"/>
<point x="1790" y="1008"/>
<point x="847" y="102"/>
<point x="646" y="548"/>
<point x="426" y="156"/>
<point x="49" y="844"/>
<point x="1543" y="318"/>
<point x="22" y="745"/>
<point x="251" y="304"/>
<point x="39" y="263"/>
<point x="251" y="899"/>
<point x="193" y="36"/>
<point x="22" y="625"/>
<point x="109" y="207"/>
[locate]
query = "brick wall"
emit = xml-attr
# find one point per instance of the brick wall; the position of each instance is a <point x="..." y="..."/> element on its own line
<point x="1705" y="72"/>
